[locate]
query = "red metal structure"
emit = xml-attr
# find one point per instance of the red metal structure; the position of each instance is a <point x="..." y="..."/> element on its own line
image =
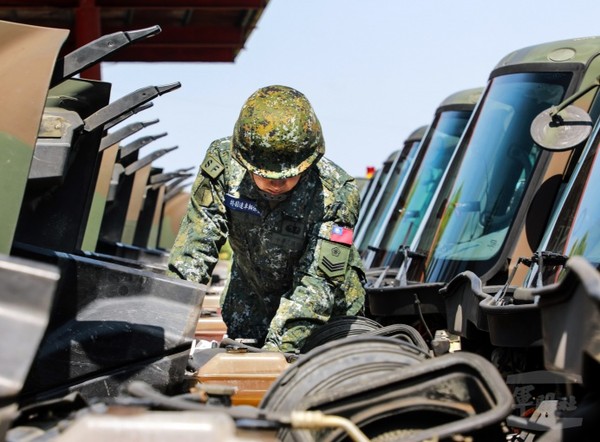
<point x="192" y="30"/>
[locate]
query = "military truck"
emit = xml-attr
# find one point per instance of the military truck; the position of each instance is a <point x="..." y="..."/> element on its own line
<point x="105" y="342"/>
<point x="497" y="195"/>
<point x="78" y="310"/>
<point x="376" y="214"/>
<point x="412" y="200"/>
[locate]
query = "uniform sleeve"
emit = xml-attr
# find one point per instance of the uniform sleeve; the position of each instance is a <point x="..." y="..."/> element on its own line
<point x="329" y="279"/>
<point x="203" y="229"/>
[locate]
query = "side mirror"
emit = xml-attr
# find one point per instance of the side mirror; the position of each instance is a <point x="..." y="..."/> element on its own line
<point x="564" y="126"/>
<point x="562" y="130"/>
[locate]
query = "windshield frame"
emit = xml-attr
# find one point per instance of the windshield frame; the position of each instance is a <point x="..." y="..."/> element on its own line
<point x="560" y="230"/>
<point x="426" y="245"/>
<point x="386" y="254"/>
<point x="381" y="209"/>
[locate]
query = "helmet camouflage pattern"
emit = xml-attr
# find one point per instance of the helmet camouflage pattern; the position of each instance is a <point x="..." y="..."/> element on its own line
<point x="277" y="134"/>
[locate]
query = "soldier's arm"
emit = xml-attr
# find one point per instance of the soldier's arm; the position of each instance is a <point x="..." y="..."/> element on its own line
<point x="203" y="229"/>
<point x="328" y="280"/>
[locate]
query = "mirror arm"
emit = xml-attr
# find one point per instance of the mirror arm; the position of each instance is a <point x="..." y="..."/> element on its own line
<point x="554" y="113"/>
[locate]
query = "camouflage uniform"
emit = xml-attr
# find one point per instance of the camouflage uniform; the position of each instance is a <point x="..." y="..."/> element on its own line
<point x="294" y="266"/>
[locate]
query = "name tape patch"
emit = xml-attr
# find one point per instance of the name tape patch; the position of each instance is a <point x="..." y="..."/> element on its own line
<point x="241" y="205"/>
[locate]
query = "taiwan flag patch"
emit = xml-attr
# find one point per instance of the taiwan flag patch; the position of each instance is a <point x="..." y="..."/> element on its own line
<point x="341" y="235"/>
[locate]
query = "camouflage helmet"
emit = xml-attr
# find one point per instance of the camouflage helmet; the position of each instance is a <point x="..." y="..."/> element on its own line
<point x="277" y="134"/>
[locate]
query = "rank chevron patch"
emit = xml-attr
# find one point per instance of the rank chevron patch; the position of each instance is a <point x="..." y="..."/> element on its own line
<point x="333" y="258"/>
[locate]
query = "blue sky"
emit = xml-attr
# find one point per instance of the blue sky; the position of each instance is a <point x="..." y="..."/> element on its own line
<point x="373" y="70"/>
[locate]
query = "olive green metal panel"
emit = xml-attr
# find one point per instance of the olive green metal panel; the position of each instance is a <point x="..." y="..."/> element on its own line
<point x="416" y="135"/>
<point x="576" y="50"/>
<point x="464" y="97"/>
<point x="584" y="51"/>
<point x="591" y="74"/>
<point x="92" y="231"/>
<point x="135" y="204"/>
<point x="154" y="230"/>
<point x="174" y="211"/>
<point x="24" y="82"/>
<point x="15" y="157"/>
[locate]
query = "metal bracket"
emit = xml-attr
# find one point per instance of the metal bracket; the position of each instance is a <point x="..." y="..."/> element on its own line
<point x="95" y="51"/>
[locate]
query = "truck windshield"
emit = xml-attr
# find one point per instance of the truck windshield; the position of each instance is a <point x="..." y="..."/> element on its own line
<point x="447" y="130"/>
<point x="394" y="186"/>
<point x="490" y="182"/>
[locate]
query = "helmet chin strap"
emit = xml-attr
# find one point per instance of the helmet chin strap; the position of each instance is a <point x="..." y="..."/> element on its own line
<point x="270" y="197"/>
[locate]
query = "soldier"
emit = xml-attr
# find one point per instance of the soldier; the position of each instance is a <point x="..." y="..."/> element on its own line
<point x="288" y="213"/>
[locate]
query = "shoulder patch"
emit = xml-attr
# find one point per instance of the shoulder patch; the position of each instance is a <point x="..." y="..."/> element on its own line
<point x="212" y="166"/>
<point x="341" y="234"/>
<point x="206" y="198"/>
<point x="203" y="193"/>
<point x="333" y="258"/>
